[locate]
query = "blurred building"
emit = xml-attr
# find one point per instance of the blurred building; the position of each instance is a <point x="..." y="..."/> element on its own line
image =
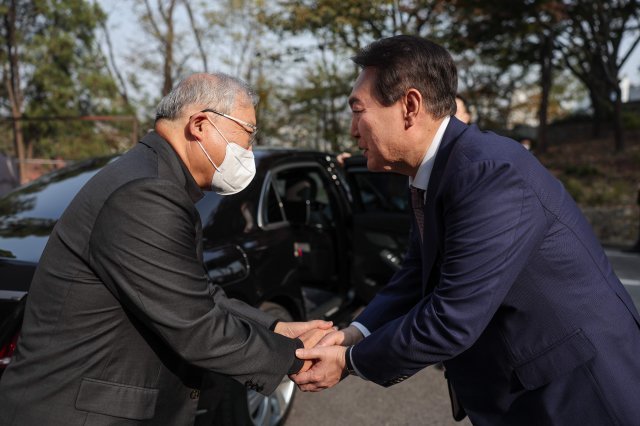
<point x="629" y="92"/>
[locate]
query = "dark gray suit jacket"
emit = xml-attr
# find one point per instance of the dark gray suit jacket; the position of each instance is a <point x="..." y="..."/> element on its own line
<point x="121" y="320"/>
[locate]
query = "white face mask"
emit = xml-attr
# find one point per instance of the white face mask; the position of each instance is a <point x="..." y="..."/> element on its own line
<point x="236" y="171"/>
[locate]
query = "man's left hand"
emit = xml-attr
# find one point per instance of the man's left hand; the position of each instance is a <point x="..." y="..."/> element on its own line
<point x="297" y="329"/>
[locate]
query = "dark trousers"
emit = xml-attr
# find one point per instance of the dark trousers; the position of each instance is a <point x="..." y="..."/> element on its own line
<point x="225" y="400"/>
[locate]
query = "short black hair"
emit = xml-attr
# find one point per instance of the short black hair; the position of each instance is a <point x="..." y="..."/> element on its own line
<point x="403" y="62"/>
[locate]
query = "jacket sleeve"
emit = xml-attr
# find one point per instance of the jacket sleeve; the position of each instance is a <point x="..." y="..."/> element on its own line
<point x="401" y="293"/>
<point x="241" y="309"/>
<point x="143" y="247"/>
<point x="492" y="223"/>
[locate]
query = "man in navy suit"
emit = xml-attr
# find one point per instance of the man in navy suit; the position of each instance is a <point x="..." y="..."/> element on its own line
<point x="504" y="281"/>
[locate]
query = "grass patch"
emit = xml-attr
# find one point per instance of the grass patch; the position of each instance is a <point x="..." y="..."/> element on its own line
<point x="593" y="173"/>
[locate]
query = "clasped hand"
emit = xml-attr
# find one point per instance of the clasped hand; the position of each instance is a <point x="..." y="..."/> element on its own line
<point x="324" y="356"/>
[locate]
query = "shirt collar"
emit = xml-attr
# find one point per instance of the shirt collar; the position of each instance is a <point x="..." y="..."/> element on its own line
<point x="174" y="163"/>
<point x="421" y="180"/>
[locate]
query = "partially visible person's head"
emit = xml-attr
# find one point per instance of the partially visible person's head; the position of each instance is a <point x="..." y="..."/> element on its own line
<point x="209" y="120"/>
<point x="462" y="110"/>
<point x="404" y="62"/>
<point x="526" y="142"/>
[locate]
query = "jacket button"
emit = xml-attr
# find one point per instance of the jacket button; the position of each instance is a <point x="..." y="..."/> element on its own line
<point x="195" y="394"/>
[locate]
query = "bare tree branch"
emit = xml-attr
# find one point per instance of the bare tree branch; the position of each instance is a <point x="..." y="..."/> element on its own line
<point x="154" y="26"/>
<point x="630" y="51"/>
<point x="112" y="60"/>
<point x="196" y="34"/>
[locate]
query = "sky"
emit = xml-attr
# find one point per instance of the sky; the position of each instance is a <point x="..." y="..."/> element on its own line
<point x="631" y="68"/>
<point x="124" y="30"/>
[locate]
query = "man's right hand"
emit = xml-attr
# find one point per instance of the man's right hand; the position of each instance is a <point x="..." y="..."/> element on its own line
<point x="310" y="339"/>
<point x="329" y="367"/>
<point x="346" y="337"/>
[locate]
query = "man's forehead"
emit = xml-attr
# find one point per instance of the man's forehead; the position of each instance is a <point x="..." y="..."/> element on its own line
<point x="244" y="110"/>
<point x="358" y="89"/>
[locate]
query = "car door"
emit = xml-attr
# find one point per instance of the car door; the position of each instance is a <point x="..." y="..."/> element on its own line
<point x="305" y="196"/>
<point x="381" y="224"/>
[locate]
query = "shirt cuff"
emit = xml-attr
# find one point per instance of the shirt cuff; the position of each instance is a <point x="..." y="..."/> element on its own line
<point x="364" y="330"/>
<point x="353" y="365"/>
<point x="273" y="325"/>
<point x="297" y="362"/>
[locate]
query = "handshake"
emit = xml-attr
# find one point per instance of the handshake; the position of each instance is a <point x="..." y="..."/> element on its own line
<point x="323" y="354"/>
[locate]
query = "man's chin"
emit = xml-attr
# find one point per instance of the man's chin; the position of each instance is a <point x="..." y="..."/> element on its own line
<point x="373" y="166"/>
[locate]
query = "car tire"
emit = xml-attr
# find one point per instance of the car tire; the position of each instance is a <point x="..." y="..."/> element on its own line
<point x="272" y="410"/>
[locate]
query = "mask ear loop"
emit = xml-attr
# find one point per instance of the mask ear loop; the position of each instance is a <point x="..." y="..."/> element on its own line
<point x="218" y="130"/>
<point x="205" y="151"/>
<point x="209" y="158"/>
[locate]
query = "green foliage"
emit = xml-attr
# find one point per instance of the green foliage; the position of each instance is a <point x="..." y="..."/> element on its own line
<point x="581" y="170"/>
<point x="337" y="30"/>
<point x="595" y="192"/>
<point x="295" y="53"/>
<point x="592" y="174"/>
<point x="64" y="75"/>
<point x="574" y="187"/>
<point x="631" y="120"/>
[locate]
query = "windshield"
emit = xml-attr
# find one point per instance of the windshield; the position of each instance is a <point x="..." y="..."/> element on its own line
<point x="28" y="214"/>
<point x="44" y="200"/>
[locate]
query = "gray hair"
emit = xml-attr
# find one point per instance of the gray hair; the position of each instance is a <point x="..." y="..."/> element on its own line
<point x="216" y="91"/>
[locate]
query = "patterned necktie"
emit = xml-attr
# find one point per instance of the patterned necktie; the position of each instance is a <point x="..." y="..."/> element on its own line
<point x="417" y="202"/>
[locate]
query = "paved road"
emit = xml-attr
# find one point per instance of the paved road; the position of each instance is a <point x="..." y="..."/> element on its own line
<point x="421" y="400"/>
<point x="627" y="267"/>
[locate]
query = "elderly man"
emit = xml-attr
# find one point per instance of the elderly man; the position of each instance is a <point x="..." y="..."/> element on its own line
<point x="503" y="281"/>
<point x="121" y="320"/>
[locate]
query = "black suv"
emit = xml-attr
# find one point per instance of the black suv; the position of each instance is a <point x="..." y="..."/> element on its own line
<point x="307" y="239"/>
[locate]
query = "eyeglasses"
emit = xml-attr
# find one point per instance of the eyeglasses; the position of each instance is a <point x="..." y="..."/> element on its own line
<point x="244" y="124"/>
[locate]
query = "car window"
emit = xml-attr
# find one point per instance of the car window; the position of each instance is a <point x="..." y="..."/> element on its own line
<point x="208" y="206"/>
<point x="273" y="212"/>
<point x="304" y="196"/>
<point x="381" y="192"/>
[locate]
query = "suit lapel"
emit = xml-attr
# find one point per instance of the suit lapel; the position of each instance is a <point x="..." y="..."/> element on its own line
<point x="432" y="236"/>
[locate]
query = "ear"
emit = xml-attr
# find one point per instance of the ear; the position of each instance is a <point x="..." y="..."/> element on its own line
<point x="412" y="106"/>
<point x="195" y="128"/>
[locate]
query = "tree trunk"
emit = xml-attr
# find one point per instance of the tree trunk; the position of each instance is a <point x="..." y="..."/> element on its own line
<point x="12" y="81"/>
<point x="16" y="126"/>
<point x="168" y="62"/>
<point x="18" y="143"/>
<point x="546" y="80"/>
<point x="617" y="121"/>
<point x="168" y="53"/>
<point x="598" y="115"/>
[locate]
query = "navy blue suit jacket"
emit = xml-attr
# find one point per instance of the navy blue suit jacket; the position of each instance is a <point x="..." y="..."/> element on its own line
<point x="512" y="291"/>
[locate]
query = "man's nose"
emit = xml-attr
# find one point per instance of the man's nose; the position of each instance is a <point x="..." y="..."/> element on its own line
<point x="354" y="129"/>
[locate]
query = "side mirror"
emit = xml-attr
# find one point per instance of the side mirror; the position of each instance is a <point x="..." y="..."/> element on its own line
<point x="226" y="264"/>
